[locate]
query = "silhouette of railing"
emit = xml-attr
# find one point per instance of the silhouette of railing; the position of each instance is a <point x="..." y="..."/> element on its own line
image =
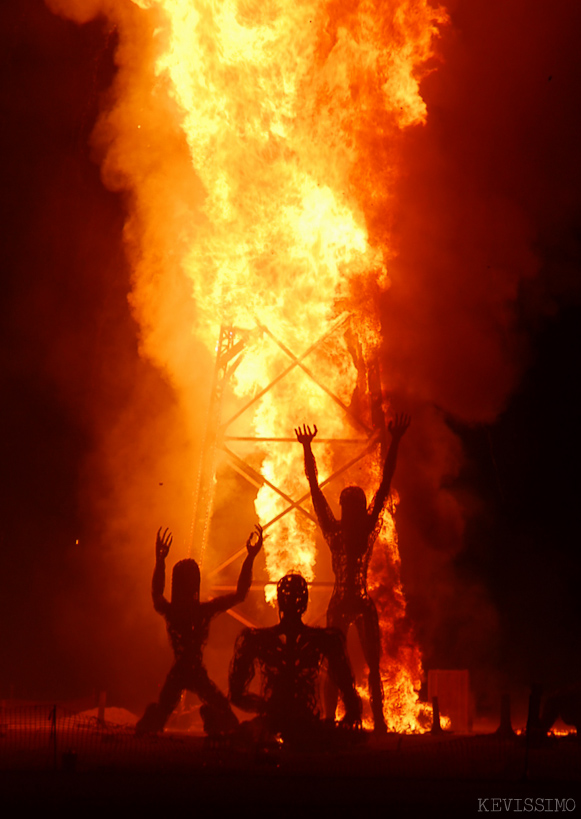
<point x="46" y="737"/>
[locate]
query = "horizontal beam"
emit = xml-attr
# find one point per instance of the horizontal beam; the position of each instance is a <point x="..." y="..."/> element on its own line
<point x="316" y="584"/>
<point x="294" y="440"/>
<point x="295" y="362"/>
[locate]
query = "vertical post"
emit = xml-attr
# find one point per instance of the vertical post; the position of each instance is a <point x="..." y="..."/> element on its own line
<point x="436" y="727"/>
<point x="533" y="730"/>
<point x="52" y="738"/>
<point x="101" y="707"/>
<point x="505" y="728"/>
<point x="226" y="349"/>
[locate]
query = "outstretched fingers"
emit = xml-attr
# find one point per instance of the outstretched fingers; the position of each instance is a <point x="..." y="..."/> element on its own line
<point x="304" y="435"/>
<point x="403" y="420"/>
<point x="398" y="425"/>
<point x="254" y="548"/>
<point x="163" y="543"/>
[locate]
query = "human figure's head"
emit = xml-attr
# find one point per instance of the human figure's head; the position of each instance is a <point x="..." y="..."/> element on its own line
<point x="185" y="582"/>
<point x="353" y="505"/>
<point x="292" y="595"/>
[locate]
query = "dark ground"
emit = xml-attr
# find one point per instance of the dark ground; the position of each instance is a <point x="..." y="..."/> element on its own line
<point x="411" y="775"/>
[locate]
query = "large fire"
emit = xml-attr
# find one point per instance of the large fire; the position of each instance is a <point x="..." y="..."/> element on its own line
<point x="242" y="130"/>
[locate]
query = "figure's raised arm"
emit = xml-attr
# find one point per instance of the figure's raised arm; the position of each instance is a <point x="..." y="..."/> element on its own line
<point x="162" y="546"/>
<point x="397" y="429"/>
<point x="322" y="509"/>
<point x="253" y="546"/>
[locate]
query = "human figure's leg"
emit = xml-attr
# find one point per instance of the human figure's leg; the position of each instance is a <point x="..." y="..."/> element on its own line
<point x="216" y="712"/>
<point x="368" y="629"/>
<point x="157" y="714"/>
<point x="337" y="617"/>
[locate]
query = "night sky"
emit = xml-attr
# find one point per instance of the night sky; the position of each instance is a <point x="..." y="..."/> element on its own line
<point x="506" y="101"/>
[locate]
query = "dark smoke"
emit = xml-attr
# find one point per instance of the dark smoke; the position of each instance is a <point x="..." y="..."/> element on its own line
<point x="488" y="268"/>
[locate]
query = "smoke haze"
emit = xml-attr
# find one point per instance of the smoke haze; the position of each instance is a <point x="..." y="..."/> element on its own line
<point x="483" y="220"/>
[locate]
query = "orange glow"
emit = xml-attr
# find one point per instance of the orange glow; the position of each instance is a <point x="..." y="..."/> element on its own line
<point x="563" y="732"/>
<point x="237" y="128"/>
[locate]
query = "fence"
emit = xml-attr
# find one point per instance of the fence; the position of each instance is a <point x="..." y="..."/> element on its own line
<point x="47" y="737"/>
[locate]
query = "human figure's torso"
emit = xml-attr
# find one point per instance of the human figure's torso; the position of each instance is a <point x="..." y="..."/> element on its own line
<point x="188" y="630"/>
<point x="290" y="670"/>
<point x="350" y="556"/>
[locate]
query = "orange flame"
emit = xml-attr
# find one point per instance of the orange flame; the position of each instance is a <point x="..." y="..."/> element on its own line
<point x="238" y="128"/>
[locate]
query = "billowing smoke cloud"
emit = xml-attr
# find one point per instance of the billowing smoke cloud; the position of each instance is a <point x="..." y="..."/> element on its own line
<point x="486" y="187"/>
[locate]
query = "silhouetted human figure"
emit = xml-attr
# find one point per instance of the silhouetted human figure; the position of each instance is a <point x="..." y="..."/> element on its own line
<point x="188" y="624"/>
<point x="351" y="540"/>
<point x="290" y="656"/>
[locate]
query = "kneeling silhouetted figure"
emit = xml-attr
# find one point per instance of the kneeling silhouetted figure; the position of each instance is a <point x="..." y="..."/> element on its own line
<point x="188" y="624"/>
<point x="290" y="656"/>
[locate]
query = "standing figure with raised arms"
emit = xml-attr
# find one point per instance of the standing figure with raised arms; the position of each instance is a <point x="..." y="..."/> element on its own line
<point x="188" y="623"/>
<point x="351" y="540"/>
